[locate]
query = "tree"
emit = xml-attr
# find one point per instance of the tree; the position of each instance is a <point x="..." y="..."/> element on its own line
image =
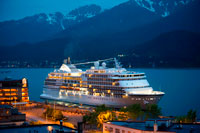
<point x="102" y="108"/>
<point x="104" y="117"/>
<point x="58" y="115"/>
<point x="91" y="118"/>
<point x="153" y="111"/>
<point x="48" y="112"/>
<point x="191" y="116"/>
<point x="135" y="111"/>
<point x="180" y="119"/>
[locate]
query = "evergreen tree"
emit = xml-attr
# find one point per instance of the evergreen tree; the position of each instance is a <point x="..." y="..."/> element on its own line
<point x="153" y="111"/>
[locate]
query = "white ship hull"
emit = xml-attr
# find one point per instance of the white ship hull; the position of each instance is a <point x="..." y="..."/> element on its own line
<point x="108" y="101"/>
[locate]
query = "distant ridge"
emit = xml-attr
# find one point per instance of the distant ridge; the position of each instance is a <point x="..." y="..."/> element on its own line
<point x="121" y="31"/>
<point x="42" y="26"/>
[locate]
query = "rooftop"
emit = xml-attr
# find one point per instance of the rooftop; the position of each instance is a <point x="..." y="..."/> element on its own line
<point x="5" y="106"/>
<point x="183" y="128"/>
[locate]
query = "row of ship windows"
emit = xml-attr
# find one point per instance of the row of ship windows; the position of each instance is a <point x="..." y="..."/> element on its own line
<point x="53" y="78"/>
<point x="99" y="80"/>
<point x="132" y="75"/>
<point x="111" y="80"/>
<point x="104" y="87"/>
<point x="108" y="92"/>
<point x="116" y="96"/>
<point x="96" y="75"/>
<point x="142" y="99"/>
<point x="103" y="83"/>
<point x="72" y="81"/>
<point x="91" y="87"/>
<point x="101" y="75"/>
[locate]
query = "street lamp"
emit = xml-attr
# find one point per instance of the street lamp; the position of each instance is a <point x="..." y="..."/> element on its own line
<point x="50" y="129"/>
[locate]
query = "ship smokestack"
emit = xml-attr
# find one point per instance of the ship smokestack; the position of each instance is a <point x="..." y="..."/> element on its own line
<point x="65" y="61"/>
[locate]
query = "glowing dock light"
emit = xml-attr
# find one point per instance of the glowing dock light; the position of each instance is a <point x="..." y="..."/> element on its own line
<point x="49" y="128"/>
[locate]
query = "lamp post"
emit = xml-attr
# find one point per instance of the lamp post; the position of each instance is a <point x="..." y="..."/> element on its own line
<point x="54" y="111"/>
<point x="50" y="128"/>
<point x="61" y="126"/>
<point x="46" y="118"/>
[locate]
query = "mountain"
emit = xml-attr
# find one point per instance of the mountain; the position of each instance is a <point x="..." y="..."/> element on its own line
<point x="186" y="19"/>
<point x="42" y="26"/>
<point x="171" y="49"/>
<point x="67" y="43"/>
<point x="125" y="16"/>
<point x="119" y="31"/>
<point x="162" y="7"/>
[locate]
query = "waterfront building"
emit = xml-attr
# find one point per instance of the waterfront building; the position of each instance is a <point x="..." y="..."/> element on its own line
<point x="14" y="92"/>
<point x="149" y="126"/>
<point x="10" y="115"/>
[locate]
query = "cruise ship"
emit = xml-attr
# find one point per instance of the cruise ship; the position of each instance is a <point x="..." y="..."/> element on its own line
<point x="115" y="87"/>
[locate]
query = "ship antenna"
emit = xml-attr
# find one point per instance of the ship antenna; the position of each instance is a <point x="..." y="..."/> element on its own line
<point x="160" y="87"/>
<point x="68" y="60"/>
<point x="117" y="64"/>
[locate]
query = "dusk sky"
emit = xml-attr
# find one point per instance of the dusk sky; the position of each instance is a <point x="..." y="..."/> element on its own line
<point x="17" y="9"/>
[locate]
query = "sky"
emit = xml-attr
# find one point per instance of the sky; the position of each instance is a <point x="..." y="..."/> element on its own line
<point x="17" y="9"/>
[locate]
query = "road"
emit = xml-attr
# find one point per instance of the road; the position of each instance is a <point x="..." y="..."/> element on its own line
<point x="36" y="114"/>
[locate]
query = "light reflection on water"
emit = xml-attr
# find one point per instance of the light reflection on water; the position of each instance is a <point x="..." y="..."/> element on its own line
<point x="181" y="86"/>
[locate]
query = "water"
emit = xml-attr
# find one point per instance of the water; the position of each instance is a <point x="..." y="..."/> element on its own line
<point x="35" y="78"/>
<point x="181" y="86"/>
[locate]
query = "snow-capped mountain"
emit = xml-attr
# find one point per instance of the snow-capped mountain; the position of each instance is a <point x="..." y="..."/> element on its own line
<point x="75" y="16"/>
<point x="162" y="7"/>
<point x="42" y="26"/>
<point x="121" y="29"/>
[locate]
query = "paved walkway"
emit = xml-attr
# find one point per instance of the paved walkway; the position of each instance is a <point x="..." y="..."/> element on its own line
<point x="37" y="115"/>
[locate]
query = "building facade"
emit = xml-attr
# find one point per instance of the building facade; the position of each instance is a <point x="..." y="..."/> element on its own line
<point x="13" y="91"/>
<point x="150" y="126"/>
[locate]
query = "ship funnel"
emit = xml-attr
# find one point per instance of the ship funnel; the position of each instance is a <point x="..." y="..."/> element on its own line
<point x="65" y="61"/>
<point x="103" y="65"/>
<point x="96" y="64"/>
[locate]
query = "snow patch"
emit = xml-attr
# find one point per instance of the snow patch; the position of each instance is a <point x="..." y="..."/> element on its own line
<point x="89" y="15"/>
<point x="150" y="7"/>
<point x="51" y="18"/>
<point x="40" y="18"/>
<point x="184" y="2"/>
<point x="70" y="17"/>
<point x="165" y="14"/>
<point x="175" y="3"/>
<point x="61" y="24"/>
<point x="161" y="3"/>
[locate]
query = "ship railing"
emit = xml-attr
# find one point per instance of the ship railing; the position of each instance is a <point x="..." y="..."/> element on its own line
<point x="138" y="77"/>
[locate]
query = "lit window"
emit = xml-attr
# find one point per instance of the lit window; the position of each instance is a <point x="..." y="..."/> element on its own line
<point x="24" y="82"/>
